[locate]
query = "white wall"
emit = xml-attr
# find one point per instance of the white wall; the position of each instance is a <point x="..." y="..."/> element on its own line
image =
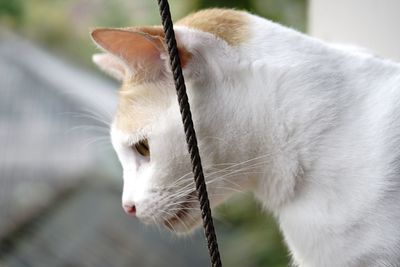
<point x="374" y="24"/>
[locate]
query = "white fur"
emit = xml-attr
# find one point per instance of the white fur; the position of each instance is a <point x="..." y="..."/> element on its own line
<point x="110" y="64"/>
<point x="312" y="129"/>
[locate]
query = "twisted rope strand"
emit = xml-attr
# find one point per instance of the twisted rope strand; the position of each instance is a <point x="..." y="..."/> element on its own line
<point x="191" y="139"/>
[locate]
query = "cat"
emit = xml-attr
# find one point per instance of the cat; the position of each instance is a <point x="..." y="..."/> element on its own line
<point x="312" y="129"/>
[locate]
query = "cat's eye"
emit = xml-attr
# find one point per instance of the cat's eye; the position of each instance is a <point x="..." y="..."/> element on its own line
<point x="142" y="147"/>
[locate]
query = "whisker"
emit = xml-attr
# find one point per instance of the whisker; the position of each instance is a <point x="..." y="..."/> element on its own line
<point x="91" y="116"/>
<point x="107" y="116"/>
<point x="238" y="164"/>
<point x="97" y="140"/>
<point x="174" y="216"/>
<point x="229" y="189"/>
<point x="253" y="165"/>
<point x="87" y="128"/>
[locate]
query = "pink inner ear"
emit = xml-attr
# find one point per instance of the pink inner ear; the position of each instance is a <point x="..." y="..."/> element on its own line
<point x="132" y="47"/>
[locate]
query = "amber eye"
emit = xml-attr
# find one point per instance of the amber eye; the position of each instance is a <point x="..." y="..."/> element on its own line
<point x="143" y="148"/>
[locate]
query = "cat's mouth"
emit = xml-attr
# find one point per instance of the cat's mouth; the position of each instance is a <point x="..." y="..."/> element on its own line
<point x="185" y="217"/>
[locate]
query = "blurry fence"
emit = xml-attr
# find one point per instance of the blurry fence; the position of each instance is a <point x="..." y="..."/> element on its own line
<point x="43" y="104"/>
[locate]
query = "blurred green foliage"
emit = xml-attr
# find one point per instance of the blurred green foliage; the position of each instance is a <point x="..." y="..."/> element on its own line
<point x="11" y="12"/>
<point x="64" y="26"/>
<point x="248" y="237"/>
<point x="238" y="4"/>
<point x="288" y="12"/>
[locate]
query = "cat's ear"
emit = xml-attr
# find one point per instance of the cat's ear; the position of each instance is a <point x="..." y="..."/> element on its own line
<point x="133" y="48"/>
<point x="138" y="49"/>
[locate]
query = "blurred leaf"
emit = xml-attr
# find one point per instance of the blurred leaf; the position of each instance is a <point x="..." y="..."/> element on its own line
<point x="13" y="10"/>
<point x="249" y="237"/>
<point x="238" y="4"/>
<point x="291" y="13"/>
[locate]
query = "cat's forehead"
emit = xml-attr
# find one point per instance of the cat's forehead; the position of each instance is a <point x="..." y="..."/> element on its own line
<point x="227" y="24"/>
<point x="139" y="104"/>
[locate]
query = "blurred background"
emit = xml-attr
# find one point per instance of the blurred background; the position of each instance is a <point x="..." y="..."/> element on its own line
<point x="60" y="181"/>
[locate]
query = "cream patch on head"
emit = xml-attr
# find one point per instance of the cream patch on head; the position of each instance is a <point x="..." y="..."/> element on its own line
<point x="227" y="24"/>
<point x="139" y="105"/>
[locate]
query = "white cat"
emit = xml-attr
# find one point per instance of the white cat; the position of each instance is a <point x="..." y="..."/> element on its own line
<point x="311" y="129"/>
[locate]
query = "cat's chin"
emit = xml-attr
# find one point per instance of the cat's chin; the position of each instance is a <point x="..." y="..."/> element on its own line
<point x="183" y="223"/>
<point x="186" y="218"/>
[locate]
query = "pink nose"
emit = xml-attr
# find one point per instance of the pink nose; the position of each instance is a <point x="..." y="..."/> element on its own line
<point x="130" y="209"/>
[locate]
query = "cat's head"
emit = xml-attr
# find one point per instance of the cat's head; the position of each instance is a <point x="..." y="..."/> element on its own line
<point x="147" y="132"/>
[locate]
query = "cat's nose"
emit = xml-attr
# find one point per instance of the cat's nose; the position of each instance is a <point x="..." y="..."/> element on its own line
<point x="130" y="209"/>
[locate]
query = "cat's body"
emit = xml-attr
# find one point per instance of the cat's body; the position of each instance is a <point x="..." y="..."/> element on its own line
<point x="312" y="129"/>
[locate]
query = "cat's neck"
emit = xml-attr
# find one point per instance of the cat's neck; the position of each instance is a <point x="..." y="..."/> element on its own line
<point x="303" y="91"/>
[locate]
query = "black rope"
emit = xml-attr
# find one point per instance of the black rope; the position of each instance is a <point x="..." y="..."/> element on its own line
<point x="190" y="133"/>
